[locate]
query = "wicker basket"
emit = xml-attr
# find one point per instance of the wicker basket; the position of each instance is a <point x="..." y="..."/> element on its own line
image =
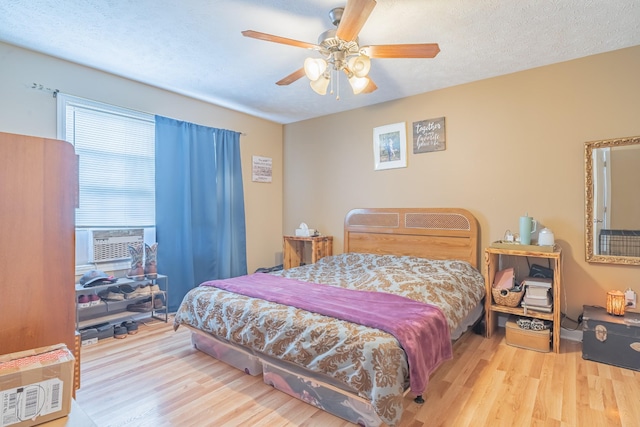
<point x="507" y="297"/>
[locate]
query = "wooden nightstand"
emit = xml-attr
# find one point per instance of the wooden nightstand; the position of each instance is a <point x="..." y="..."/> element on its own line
<point x="294" y="248"/>
<point x="492" y="258"/>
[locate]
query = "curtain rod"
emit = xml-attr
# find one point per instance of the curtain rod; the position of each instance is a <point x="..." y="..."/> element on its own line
<point x="38" y="86"/>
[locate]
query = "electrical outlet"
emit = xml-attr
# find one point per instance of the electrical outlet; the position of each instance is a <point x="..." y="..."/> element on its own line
<point x="630" y="296"/>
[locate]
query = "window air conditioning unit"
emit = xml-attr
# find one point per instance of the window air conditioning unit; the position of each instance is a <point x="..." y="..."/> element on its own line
<point x="112" y="245"/>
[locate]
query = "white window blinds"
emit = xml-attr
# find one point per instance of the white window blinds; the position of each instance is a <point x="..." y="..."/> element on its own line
<point x="116" y="149"/>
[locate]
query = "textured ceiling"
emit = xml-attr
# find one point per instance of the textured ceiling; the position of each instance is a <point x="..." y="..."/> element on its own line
<point x="195" y="47"/>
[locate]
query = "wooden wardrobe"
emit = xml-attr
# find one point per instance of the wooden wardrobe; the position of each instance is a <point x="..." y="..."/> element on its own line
<point x="37" y="243"/>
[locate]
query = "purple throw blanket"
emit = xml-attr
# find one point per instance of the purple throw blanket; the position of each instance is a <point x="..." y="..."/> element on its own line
<point x="420" y="328"/>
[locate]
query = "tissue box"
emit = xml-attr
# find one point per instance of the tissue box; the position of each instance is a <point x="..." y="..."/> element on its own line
<point x="35" y="385"/>
<point x="305" y="232"/>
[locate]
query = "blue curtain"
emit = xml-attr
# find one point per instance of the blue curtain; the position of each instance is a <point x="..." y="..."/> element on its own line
<point x="200" y="224"/>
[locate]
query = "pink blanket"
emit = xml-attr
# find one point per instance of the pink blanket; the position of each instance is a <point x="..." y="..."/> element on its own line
<point x="420" y="328"/>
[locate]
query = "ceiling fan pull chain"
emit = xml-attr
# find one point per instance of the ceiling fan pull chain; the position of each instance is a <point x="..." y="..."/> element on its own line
<point x="331" y="80"/>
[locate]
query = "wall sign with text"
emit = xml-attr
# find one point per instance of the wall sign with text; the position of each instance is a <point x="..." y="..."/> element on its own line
<point x="262" y="169"/>
<point x="428" y="135"/>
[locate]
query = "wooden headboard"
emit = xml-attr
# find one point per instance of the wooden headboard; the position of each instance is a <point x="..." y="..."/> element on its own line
<point x="436" y="233"/>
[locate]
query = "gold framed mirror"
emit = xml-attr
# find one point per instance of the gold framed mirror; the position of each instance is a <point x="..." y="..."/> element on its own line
<point x="612" y="202"/>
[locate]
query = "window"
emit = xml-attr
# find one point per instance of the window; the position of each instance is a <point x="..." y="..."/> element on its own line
<point x="116" y="149"/>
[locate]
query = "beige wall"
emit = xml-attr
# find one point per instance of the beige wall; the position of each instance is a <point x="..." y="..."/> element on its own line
<point x="514" y="144"/>
<point x="32" y="112"/>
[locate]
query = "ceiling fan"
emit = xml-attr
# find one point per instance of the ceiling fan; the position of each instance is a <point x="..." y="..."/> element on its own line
<point x="340" y="51"/>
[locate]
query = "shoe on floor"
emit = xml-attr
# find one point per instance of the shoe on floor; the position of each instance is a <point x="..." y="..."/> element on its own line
<point x="119" y="332"/>
<point x="132" y="327"/>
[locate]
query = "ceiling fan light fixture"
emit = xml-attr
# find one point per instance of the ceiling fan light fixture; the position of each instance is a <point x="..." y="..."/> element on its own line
<point x="341" y="50"/>
<point x="314" y="68"/>
<point x="320" y="85"/>
<point x="358" y="84"/>
<point x="360" y="65"/>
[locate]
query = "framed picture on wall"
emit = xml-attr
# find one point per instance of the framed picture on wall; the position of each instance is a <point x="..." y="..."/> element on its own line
<point x="428" y="136"/>
<point x="390" y="146"/>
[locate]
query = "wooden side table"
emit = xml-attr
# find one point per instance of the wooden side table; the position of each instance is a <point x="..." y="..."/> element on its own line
<point x="294" y="248"/>
<point x="492" y="258"/>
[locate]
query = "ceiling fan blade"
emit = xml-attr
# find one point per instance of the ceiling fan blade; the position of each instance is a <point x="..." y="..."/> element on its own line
<point x="423" y="50"/>
<point x="277" y="39"/>
<point x="291" y="77"/>
<point x="355" y="14"/>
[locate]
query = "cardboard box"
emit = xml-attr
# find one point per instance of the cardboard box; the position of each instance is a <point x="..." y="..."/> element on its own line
<point x="527" y="338"/>
<point x="35" y="385"/>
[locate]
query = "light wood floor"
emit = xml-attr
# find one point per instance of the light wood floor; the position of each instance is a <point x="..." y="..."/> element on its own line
<point x="156" y="378"/>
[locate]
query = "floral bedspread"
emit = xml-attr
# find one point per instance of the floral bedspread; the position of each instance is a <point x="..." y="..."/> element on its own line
<point x="365" y="360"/>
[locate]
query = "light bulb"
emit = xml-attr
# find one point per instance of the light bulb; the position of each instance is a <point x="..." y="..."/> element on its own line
<point x="314" y="67"/>
<point x="358" y="84"/>
<point x="359" y="65"/>
<point x="320" y="85"/>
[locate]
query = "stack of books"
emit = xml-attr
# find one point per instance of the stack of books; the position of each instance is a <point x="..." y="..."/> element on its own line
<point x="537" y="294"/>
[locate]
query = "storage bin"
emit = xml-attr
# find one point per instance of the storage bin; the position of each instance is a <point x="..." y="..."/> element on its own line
<point x="507" y="297"/>
<point x="88" y="336"/>
<point x="226" y="352"/>
<point x="527" y="338"/>
<point x="322" y="395"/>
<point x="614" y="340"/>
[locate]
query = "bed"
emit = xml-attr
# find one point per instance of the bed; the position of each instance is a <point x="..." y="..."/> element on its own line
<point x="354" y="332"/>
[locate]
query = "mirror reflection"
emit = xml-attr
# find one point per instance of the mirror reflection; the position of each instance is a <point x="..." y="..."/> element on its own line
<point x="612" y="205"/>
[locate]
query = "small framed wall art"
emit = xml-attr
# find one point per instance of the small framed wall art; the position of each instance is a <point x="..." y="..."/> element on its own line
<point x="428" y="135"/>
<point x="262" y="169"/>
<point x="390" y="146"/>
